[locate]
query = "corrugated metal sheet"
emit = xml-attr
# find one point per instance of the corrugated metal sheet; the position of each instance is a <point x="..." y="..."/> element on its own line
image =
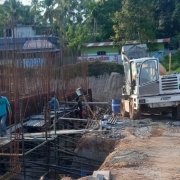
<point x="127" y="42"/>
<point x="38" y="44"/>
<point x="35" y="123"/>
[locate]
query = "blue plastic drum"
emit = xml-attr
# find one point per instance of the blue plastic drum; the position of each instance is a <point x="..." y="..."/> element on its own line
<point x="116" y="105"/>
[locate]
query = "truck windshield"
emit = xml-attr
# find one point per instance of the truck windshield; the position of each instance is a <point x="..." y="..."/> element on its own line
<point x="148" y="72"/>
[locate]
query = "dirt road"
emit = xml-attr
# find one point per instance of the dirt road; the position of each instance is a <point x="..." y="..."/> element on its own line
<point x="150" y="150"/>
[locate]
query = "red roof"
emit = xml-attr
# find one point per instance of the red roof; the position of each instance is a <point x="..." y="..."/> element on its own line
<point x="127" y="42"/>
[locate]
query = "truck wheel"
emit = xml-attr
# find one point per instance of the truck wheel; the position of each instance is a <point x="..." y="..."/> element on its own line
<point x="124" y="113"/>
<point x="133" y="113"/>
<point x="176" y="113"/>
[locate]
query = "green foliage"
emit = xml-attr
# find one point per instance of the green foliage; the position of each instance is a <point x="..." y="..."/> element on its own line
<point x="101" y="18"/>
<point x="76" y="36"/>
<point x="81" y="21"/>
<point x="35" y="10"/>
<point x="175" y="42"/>
<point x="175" y="62"/>
<point x="134" y="21"/>
<point x="12" y="10"/>
<point x="99" y="68"/>
<point x="166" y="14"/>
<point x="48" y="15"/>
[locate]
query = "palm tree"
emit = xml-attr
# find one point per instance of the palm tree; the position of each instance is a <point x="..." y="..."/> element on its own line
<point x="49" y="10"/>
<point x="36" y="11"/>
<point x="13" y="9"/>
<point x="26" y="17"/>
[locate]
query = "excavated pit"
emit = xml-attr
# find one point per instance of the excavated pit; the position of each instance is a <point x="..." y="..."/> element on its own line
<point x="95" y="148"/>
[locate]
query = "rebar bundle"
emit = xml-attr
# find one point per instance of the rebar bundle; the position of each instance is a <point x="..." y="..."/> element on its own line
<point x="28" y="77"/>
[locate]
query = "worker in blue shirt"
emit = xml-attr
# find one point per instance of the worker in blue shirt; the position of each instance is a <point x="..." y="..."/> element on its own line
<point x="4" y="103"/>
<point x="53" y="103"/>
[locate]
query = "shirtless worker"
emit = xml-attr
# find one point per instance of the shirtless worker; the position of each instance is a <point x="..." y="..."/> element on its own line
<point x="4" y="103"/>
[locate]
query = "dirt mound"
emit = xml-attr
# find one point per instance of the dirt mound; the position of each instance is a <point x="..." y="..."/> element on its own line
<point x="129" y="157"/>
<point x="149" y="151"/>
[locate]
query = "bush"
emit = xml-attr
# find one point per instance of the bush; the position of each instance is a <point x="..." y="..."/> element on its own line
<point x="99" y="68"/>
<point x="174" y="44"/>
<point x="175" y="62"/>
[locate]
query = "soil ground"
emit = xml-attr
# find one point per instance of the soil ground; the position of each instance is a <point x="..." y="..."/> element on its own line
<point x="150" y="150"/>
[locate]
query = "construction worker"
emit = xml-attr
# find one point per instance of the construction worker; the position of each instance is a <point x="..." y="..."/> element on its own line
<point x="4" y="105"/>
<point x="79" y="108"/>
<point x="53" y="103"/>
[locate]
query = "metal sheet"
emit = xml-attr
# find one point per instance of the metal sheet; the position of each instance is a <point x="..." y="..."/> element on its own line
<point x="35" y="123"/>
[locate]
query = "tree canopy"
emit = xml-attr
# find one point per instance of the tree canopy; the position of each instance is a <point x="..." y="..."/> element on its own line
<point x="80" y="21"/>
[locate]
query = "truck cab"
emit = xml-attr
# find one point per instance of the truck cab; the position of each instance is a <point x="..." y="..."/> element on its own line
<point x="146" y="90"/>
<point x="141" y="75"/>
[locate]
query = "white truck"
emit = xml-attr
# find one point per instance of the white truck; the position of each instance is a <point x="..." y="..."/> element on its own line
<point x="147" y="88"/>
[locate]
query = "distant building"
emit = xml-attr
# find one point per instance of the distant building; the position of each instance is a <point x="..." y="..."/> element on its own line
<point x="27" y="45"/>
<point x="20" y="31"/>
<point x="108" y="52"/>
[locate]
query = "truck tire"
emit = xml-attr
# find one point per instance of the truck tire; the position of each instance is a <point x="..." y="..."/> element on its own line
<point x="176" y="113"/>
<point x="124" y="113"/>
<point x="133" y="113"/>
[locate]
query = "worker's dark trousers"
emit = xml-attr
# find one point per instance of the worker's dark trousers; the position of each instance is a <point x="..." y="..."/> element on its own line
<point x="3" y="125"/>
<point x="78" y="113"/>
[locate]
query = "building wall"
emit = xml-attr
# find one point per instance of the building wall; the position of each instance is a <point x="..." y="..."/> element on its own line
<point x="159" y="47"/>
<point x="24" y="31"/>
<point x="158" y="51"/>
<point x="95" y="49"/>
<point x="112" y="53"/>
<point x="20" y="32"/>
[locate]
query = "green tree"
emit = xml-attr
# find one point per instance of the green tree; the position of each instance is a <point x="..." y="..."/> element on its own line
<point x="48" y="15"/>
<point x="73" y="29"/>
<point x="76" y="36"/>
<point x="135" y="21"/>
<point x="166" y="13"/>
<point x="26" y="17"/>
<point x="12" y="11"/>
<point x="101" y="18"/>
<point x="36" y="11"/>
<point x="2" y="19"/>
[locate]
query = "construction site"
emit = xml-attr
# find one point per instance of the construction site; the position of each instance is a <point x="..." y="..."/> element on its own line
<point x="40" y="143"/>
<point x="138" y="140"/>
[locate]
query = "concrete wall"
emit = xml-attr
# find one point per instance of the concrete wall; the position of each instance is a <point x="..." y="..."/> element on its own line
<point x="24" y="31"/>
<point x="21" y="32"/>
<point x="106" y="87"/>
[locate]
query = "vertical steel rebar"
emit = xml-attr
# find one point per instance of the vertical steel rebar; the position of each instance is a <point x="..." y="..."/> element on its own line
<point x="22" y="136"/>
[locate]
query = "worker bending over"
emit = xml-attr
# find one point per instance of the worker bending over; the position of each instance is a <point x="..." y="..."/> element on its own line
<point x="53" y="103"/>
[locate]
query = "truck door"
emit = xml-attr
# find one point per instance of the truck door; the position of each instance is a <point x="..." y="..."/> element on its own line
<point x="149" y="78"/>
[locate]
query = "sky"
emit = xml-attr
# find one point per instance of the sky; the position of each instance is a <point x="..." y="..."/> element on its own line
<point x="25" y="2"/>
